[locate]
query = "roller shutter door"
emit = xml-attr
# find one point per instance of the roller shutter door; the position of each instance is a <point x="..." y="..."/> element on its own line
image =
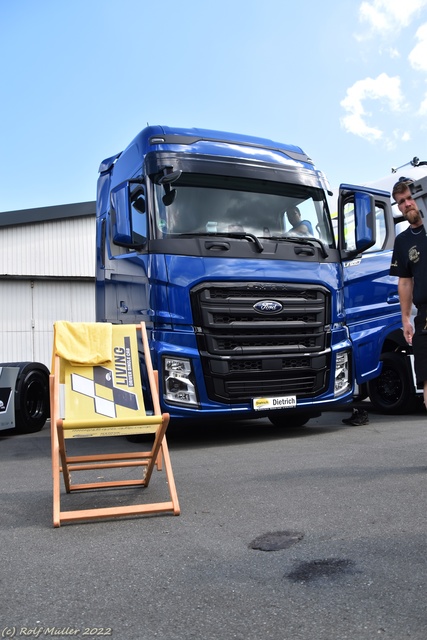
<point x="28" y="310"/>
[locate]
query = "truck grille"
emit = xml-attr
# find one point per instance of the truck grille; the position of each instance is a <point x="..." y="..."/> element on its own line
<point x="247" y="352"/>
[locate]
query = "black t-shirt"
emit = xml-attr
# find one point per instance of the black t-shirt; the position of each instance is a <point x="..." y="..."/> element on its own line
<point x="410" y="261"/>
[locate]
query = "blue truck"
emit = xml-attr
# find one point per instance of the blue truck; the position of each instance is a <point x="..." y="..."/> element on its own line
<point x="248" y="314"/>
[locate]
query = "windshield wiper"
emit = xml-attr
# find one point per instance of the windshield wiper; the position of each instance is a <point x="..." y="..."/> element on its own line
<point x="249" y="236"/>
<point x="301" y="240"/>
<point x="230" y="234"/>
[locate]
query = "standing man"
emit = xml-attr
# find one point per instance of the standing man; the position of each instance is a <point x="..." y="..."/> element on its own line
<point x="409" y="263"/>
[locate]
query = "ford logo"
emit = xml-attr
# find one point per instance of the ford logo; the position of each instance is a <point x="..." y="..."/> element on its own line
<point x="268" y="306"/>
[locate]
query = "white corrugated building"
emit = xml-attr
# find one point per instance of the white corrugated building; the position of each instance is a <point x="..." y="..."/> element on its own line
<point x="47" y="273"/>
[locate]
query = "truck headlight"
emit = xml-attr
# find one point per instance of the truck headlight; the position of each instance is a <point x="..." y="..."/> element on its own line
<point x="178" y="381"/>
<point x="342" y="382"/>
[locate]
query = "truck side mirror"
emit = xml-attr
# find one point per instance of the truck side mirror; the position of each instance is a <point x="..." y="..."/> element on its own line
<point x="166" y="180"/>
<point x="126" y="205"/>
<point x="365" y="229"/>
<point x="356" y="220"/>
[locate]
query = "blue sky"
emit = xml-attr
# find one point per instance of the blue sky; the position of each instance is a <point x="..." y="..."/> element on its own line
<point x="346" y="81"/>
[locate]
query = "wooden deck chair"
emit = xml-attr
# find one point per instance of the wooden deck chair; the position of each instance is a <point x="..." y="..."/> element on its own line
<point x="96" y="390"/>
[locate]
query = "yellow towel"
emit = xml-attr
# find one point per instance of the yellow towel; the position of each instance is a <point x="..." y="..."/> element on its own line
<point x="83" y="343"/>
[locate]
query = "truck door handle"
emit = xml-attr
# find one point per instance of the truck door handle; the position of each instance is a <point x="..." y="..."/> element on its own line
<point x="221" y="246"/>
<point x="309" y="251"/>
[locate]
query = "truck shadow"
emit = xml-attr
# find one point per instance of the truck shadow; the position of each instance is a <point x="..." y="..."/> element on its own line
<point x="211" y="433"/>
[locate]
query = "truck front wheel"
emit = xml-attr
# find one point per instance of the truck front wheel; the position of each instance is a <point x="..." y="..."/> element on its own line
<point x="392" y="392"/>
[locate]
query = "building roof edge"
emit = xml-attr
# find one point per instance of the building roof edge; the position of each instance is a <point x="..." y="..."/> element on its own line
<point x="43" y="214"/>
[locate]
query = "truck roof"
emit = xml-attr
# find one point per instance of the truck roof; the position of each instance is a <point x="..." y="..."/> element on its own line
<point x="207" y="141"/>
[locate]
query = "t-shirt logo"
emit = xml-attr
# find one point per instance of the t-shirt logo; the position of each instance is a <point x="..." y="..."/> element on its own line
<point x="414" y="254"/>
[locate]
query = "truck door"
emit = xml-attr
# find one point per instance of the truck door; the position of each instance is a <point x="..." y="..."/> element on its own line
<point x="370" y="294"/>
<point x="126" y="288"/>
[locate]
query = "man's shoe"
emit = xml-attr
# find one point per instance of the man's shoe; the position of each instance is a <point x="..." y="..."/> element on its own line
<point x="357" y="418"/>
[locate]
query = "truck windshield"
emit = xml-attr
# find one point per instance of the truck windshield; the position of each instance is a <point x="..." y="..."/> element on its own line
<point x="205" y="204"/>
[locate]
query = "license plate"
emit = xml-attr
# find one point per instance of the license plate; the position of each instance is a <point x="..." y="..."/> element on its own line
<point x="281" y="402"/>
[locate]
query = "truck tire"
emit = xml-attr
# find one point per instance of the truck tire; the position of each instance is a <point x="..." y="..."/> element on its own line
<point x="31" y="396"/>
<point x="392" y="392"/>
<point x="292" y="419"/>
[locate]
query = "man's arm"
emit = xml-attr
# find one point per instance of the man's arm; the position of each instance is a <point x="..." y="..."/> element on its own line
<point x="300" y="229"/>
<point x="405" y="288"/>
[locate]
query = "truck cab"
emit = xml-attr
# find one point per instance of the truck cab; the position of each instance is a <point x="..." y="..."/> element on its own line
<point x="246" y="310"/>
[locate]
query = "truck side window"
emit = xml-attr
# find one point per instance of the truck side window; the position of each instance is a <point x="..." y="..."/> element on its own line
<point x="380" y="228"/>
<point x="113" y="249"/>
<point x="349" y="226"/>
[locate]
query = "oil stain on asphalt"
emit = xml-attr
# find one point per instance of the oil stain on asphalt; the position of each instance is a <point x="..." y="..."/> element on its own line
<point x="276" y="540"/>
<point x="317" y="569"/>
<point x="309" y="571"/>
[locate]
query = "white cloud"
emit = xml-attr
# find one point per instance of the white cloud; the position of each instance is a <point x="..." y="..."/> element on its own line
<point x="383" y="88"/>
<point x="374" y="16"/>
<point x="388" y="16"/>
<point x="418" y="55"/>
<point x="383" y="21"/>
<point x="398" y="136"/>
<point x="390" y="52"/>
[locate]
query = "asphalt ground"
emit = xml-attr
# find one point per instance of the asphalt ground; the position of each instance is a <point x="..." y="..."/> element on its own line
<point x="344" y="505"/>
